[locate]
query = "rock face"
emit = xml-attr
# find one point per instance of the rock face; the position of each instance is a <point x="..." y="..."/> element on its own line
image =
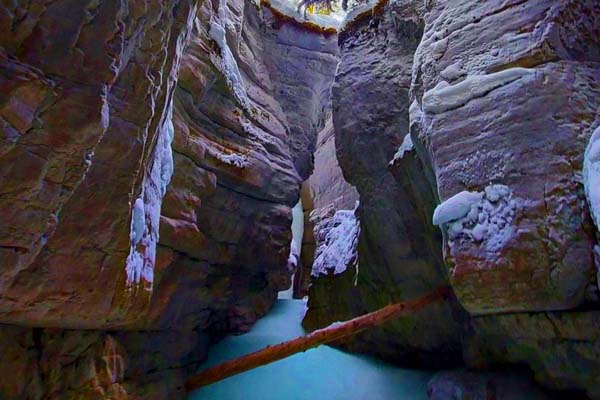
<point x="81" y="114"/>
<point x="539" y="260"/>
<point x="560" y="347"/>
<point x="503" y="103"/>
<point x="242" y="160"/>
<point x="325" y="192"/>
<point x="151" y="152"/>
<point x="399" y="252"/>
<point x="527" y="247"/>
<point x="464" y="385"/>
<point x="198" y="118"/>
<point x="65" y="364"/>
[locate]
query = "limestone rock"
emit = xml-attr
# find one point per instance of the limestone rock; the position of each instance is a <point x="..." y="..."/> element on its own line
<point x="86" y="90"/>
<point x="92" y="96"/>
<point x="325" y="192"/>
<point x="63" y="364"/>
<point x="560" y="347"/>
<point x="244" y="135"/>
<point x="465" y="385"/>
<point x="399" y="253"/>
<point x="528" y="96"/>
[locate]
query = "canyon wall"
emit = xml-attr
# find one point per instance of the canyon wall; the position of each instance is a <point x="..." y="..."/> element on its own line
<point x="151" y="154"/>
<point x="500" y="100"/>
<point x="323" y="193"/>
<point x="399" y="252"/>
<point x="507" y="113"/>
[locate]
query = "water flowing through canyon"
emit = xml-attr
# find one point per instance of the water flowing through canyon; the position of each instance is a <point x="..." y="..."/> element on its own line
<point x="321" y="373"/>
<point x="183" y="182"/>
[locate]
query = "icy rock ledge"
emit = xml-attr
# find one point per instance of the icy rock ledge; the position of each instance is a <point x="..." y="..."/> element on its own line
<point x="482" y="217"/>
<point x="591" y="175"/>
<point x="406" y="147"/>
<point x="339" y="243"/>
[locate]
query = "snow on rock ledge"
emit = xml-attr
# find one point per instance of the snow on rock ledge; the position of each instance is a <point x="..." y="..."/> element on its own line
<point x="444" y="97"/>
<point x="591" y="175"/>
<point x="481" y="217"/>
<point x="338" y="248"/>
<point x="145" y="215"/>
<point x="406" y="146"/>
<point x="455" y="207"/>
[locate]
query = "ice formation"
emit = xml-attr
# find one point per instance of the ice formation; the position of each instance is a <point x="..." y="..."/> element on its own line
<point x="482" y="217"/>
<point x="237" y="160"/>
<point x="145" y="214"/>
<point x="591" y="175"/>
<point x="405" y="147"/>
<point x="339" y="249"/>
<point x="446" y="97"/>
<point x="138" y="222"/>
<point x="294" y="255"/>
<point x="228" y="65"/>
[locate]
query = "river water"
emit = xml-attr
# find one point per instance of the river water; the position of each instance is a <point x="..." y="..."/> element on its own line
<point x="323" y="373"/>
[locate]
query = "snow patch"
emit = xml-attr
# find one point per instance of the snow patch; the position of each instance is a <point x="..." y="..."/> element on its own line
<point x="415" y="114"/>
<point x="334" y="20"/>
<point x="236" y="160"/>
<point x="357" y="10"/>
<point x="591" y="175"/>
<point x="439" y="48"/>
<point x="338" y="248"/>
<point x="455" y="207"/>
<point x="452" y="72"/>
<point x="145" y="214"/>
<point x="446" y="97"/>
<point x="255" y="132"/>
<point x="481" y="217"/>
<point x="406" y="146"/>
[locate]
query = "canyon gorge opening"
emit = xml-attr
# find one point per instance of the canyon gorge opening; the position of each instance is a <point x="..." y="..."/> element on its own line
<point x="153" y="155"/>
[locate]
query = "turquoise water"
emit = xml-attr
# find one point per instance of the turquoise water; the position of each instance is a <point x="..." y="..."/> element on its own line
<point x="323" y="373"/>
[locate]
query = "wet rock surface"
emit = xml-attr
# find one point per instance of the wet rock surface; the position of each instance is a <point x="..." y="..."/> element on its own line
<point x="521" y="134"/>
<point x="151" y="152"/>
<point x="399" y="254"/>
<point x="325" y="192"/>
<point x="93" y="94"/>
<point x="484" y="114"/>
<point x="463" y="385"/>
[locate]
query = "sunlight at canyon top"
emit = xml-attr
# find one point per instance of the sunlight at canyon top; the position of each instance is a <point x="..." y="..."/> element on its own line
<point x="334" y="19"/>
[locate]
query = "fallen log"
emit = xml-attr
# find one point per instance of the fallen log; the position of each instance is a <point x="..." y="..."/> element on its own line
<point x="325" y="335"/>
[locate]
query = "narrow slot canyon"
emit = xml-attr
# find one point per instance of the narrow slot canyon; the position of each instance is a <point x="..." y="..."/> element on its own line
<point x="186" y="182"/>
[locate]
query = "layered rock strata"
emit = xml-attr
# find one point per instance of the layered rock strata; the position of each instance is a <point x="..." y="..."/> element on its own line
<point x="399" y="252"/>
<point x="150" y="158"/>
